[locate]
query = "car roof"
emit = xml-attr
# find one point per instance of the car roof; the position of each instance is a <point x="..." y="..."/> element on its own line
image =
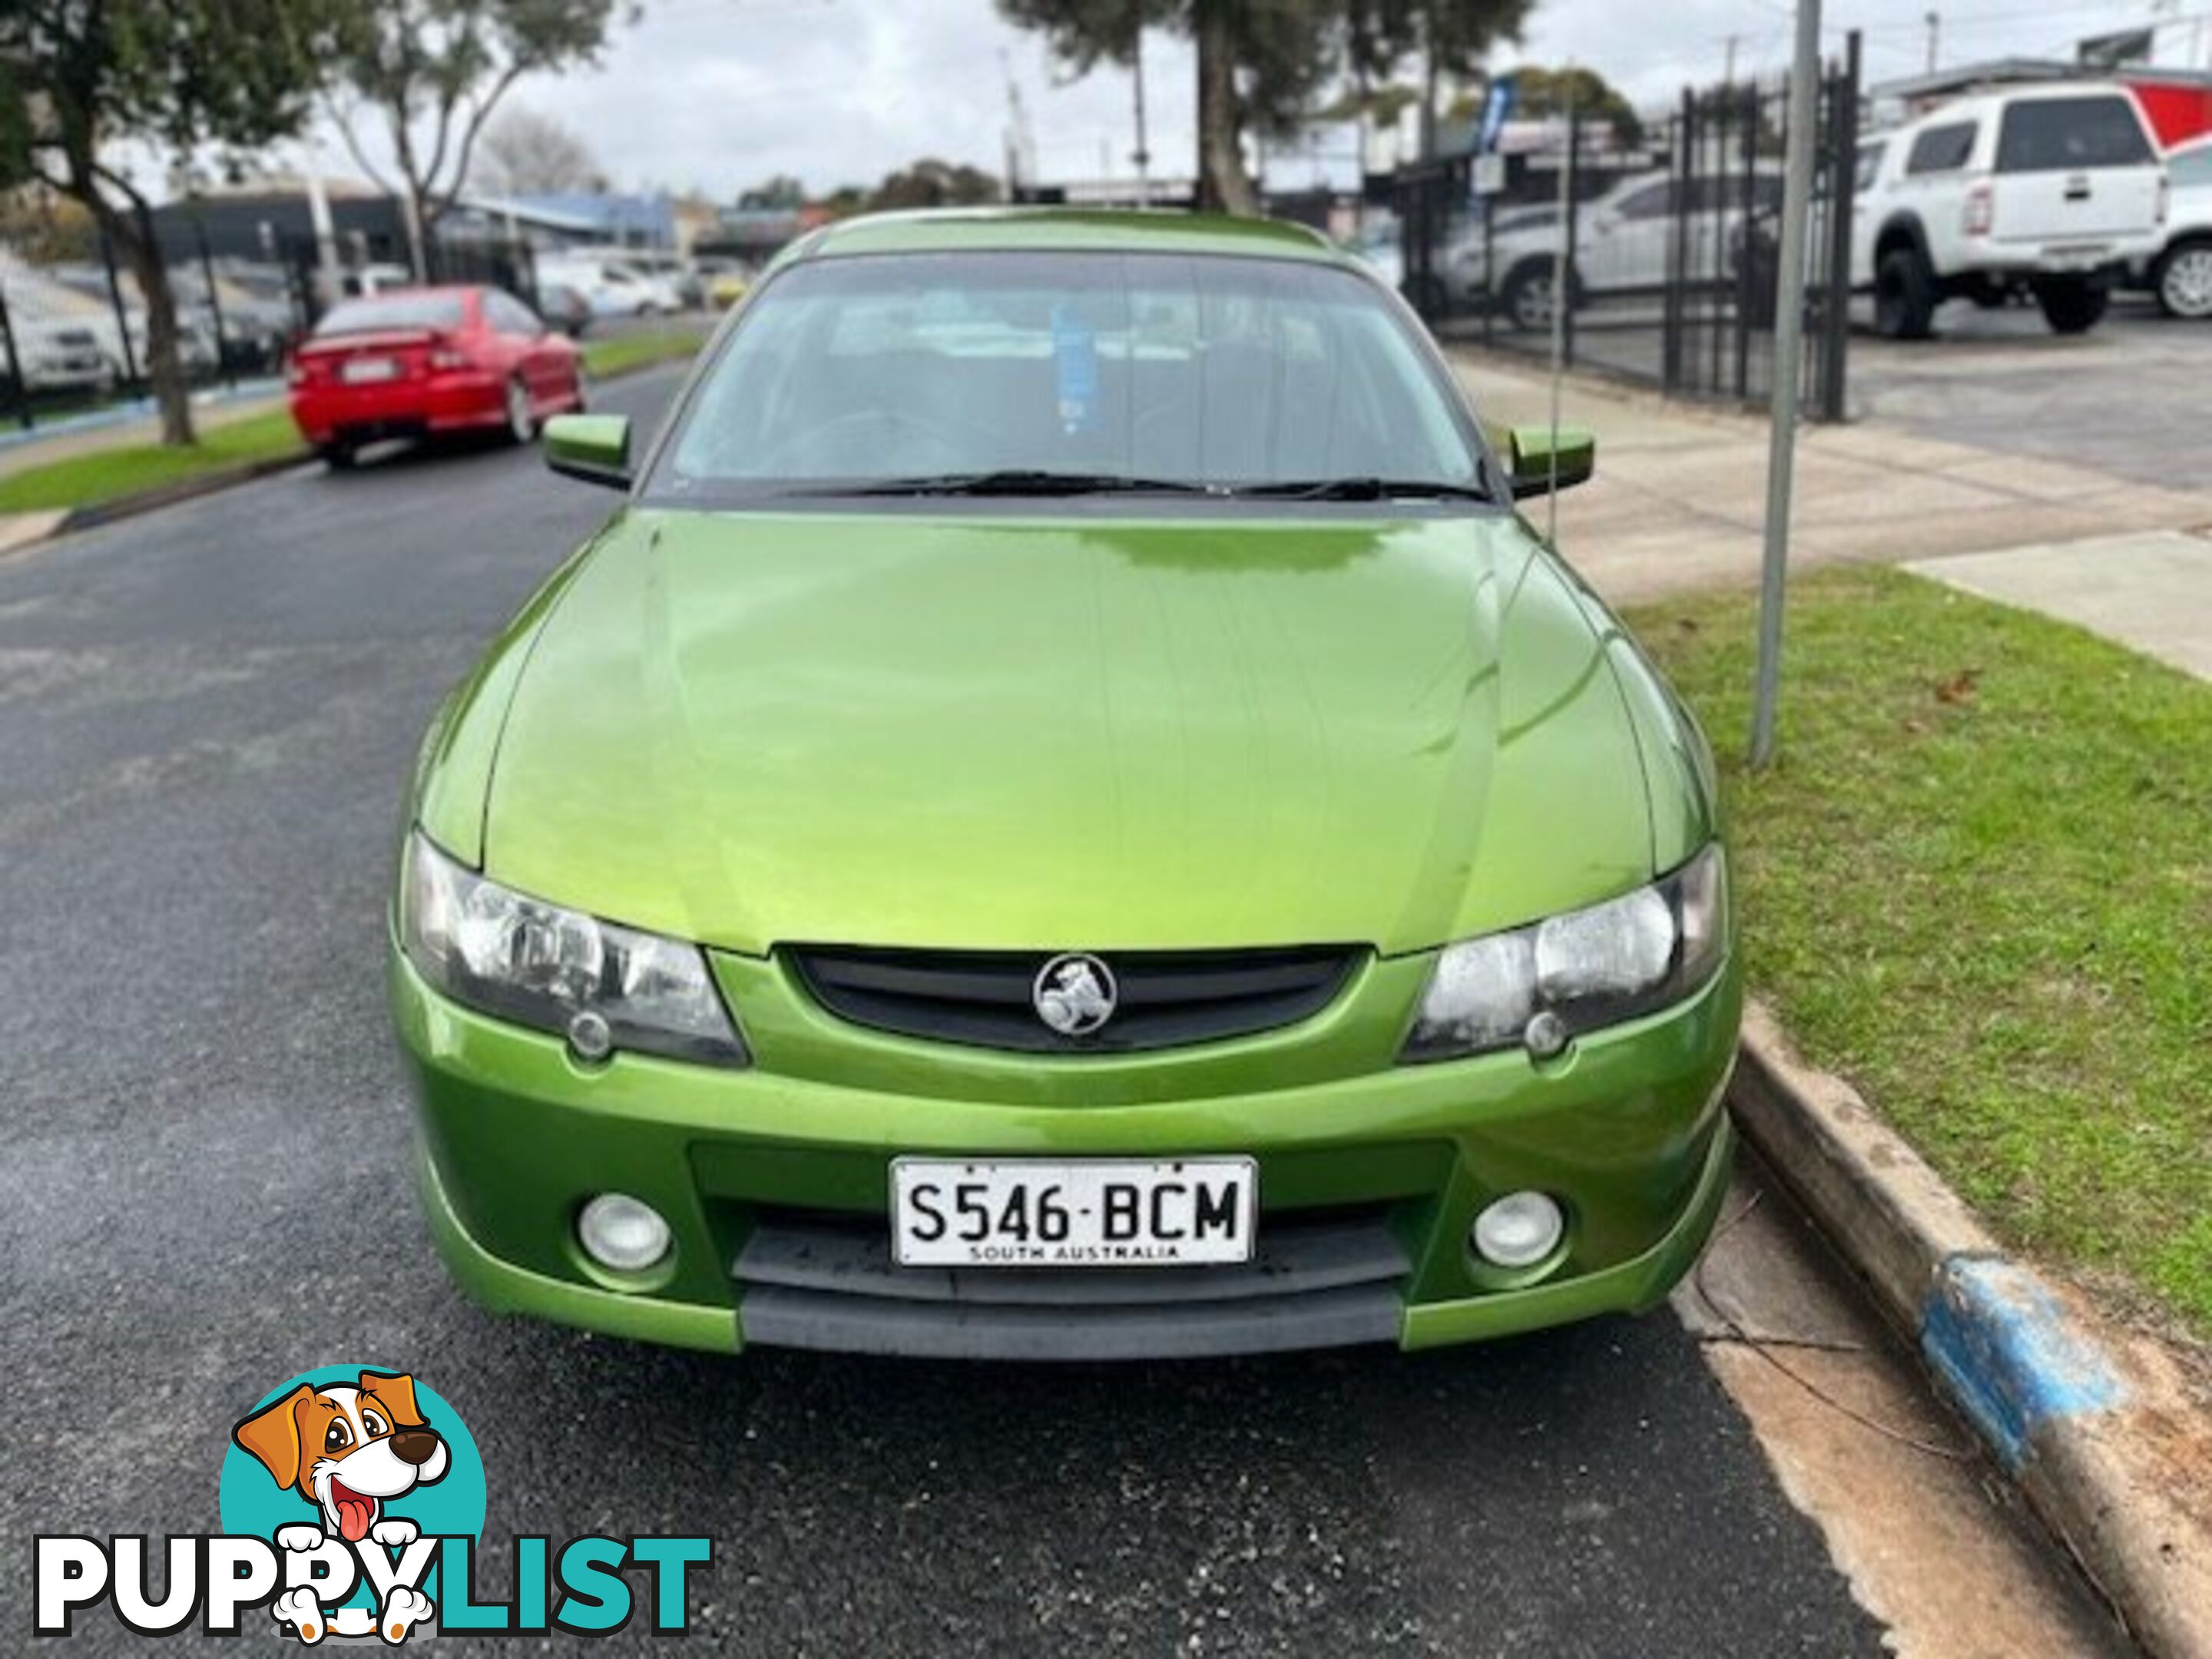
<point x="418" y="290"/>
<point x="1048" y="229"/>
<point x="1973" y="104"/>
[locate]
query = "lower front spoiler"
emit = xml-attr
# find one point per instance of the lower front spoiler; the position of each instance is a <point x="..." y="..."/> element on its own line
<point x="1334" y="1316"/>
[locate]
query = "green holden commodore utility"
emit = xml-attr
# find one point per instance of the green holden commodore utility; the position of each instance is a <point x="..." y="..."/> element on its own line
<point x="1067" y="816"/>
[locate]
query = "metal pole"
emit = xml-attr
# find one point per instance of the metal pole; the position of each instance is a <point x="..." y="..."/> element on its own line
<point x="1788" y="339"/>
<point x="1672" y="327"/>
<point x="1561" y="266"/>
<point x="1563" y="310"/>
<point x="15" y="369"/>
<point x="1143" y="157"/>
<point x="115" y="302"/>
<point x="1490" y="283"/>
<point x="223" y="359"/>
<point x="1747" y="291"/>
<point x="1843" y="170"/>
<point x="328" y="291"/>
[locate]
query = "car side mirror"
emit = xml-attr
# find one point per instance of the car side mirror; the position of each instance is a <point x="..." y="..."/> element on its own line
<point x="1540" y="459"/>
<point x="592" y="447"/>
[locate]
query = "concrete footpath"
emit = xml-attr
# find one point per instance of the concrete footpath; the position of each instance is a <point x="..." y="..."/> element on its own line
<point x="2151" y="591"/>
<point x="1680" y="491"/>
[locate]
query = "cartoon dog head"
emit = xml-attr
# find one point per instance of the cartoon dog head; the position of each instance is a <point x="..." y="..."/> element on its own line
<point x="347" y="1450"/>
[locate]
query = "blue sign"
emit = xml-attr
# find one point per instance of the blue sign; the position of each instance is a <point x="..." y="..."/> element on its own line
<point x="1497" y="110"/>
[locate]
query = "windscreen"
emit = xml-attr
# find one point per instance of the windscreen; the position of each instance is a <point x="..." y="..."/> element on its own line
<point x="1206" y="369"/>
<point x="388" y="312"/>
<point x="2053" y="135"/>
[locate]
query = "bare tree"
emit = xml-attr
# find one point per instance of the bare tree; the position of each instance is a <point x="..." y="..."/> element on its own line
<point x="526" y="153"/>
<point x="432" y="72"/>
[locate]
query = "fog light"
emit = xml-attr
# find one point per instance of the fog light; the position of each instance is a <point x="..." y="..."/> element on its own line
<point x="1546" y="1036"/>
<point x="623" y="1232"/>
<point x="1518" y="1230"/>
<point x="590" y="1036"/>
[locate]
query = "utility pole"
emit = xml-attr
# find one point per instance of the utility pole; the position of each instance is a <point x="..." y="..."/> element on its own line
<point x="1934" y="21"/>
<point x="1020" y="142"/>
<point x="1788" y="343"/>
<point x="328" y="285"/>
<point x="1142" y="156"/>
<point x="1727" y="66"/>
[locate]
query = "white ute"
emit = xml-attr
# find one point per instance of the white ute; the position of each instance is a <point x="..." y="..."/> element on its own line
<point x="2054" y="188"/>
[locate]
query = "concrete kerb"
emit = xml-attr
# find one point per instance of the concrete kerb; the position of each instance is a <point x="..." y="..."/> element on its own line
<point x="2096" y="1426"/>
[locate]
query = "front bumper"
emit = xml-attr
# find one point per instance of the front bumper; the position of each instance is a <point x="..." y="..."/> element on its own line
<point x="1627" y="1129"/>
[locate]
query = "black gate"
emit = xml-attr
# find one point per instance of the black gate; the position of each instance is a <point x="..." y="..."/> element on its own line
<point x="1667" y="231"/>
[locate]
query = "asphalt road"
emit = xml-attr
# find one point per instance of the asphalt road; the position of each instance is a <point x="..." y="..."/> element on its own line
<point x="2127" y="397"/>
<point x="206" y="717"/>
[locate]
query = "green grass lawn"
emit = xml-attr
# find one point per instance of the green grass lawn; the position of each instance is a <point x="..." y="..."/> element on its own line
<point x="1977" y="883"/>
<point x="83" y="480"/>
<point x="628" y="351"/>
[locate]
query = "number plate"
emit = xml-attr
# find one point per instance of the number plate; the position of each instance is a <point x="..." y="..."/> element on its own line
<point x="355" y="371"/>
<point x="1095" y="1213"/>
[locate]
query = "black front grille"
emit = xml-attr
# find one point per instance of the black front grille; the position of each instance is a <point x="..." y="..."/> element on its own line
<point x="1167" y="998"/>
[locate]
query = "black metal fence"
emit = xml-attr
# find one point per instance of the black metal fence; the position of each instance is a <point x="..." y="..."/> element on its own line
<point x="1666" y="233"/>
<point x="73" y="331"/>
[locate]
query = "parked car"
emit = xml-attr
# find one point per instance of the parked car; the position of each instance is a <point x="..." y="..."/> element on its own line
<point x="60" y="358"/>
<point x="378" y="277"/>
<point x="2180" y="273"/>
<point x="726" y="287"/>
<point x="1625" y="242"/>
<point x="725" y="281"/>
<point x="427" y="362"/>
<point x="663" y="289"/>
<point x="680" y="279"/>
<point x="564" y="306"/>
<point x="125" y="346"/>
<point x="1066" y="816"/>
<point x="2050" y="191"/>
<point x="611" y="288"/>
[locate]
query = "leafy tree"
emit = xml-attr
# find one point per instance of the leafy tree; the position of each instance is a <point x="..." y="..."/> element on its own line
<point x="1446" y="39"/>
<point x="529" y="154"/>
<point x="1260" y="63"/>
<point x="1545" y="92"/>
<point x="432" y="72"/>
<point x="78" y="77"/>
<point x="782" y="191"/>
<point x="47" y="227"/>
<point x="932" y="183"/>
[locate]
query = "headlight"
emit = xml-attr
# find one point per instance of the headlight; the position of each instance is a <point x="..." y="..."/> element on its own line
<point x="601" y="986"/>
<point x="1588" y="967"/>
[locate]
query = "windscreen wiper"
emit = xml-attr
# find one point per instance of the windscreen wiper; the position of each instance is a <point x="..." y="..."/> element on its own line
<point x="1024" y="481"/>
<point x="1365" y="489"/>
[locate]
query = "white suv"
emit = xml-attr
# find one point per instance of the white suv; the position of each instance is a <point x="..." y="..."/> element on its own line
<point x="2053" y="190"/>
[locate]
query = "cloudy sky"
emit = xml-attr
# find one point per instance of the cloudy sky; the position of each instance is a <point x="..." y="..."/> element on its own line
<point x="719" y="94"/>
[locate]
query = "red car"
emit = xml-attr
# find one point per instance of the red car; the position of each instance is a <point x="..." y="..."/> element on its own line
<point x="428" y="361"/>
